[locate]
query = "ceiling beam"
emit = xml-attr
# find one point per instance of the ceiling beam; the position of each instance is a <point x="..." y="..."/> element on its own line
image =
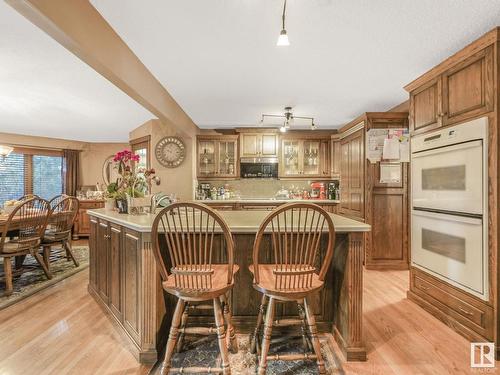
<point x="79" y="27"/>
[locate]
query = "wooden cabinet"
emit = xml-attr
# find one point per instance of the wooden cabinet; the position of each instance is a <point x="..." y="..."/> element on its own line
<point x="82" y="222"/>
<point x="259" y="145"/>
<point x="335" y="156"/>
<point x="115" y="270"/>
<point x="352" y="172"/>
<point x="468" y="88"/>
<point x="425" y="106"/>
<point x="102" y="260"/>
<point x="217" y="157"/>
<point x="463" y="91"/>
<point x="131" y="282"/>
<point x="121" y="263"/>
<point x="305" y="158"/>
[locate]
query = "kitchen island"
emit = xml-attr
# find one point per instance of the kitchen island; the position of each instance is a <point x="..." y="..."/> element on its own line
<point x="124" y="280"/>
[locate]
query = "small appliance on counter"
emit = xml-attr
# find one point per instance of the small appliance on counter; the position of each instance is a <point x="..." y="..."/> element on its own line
<point x="318" y="190"/>
<point x="333" y="190"/>
<point x="204" y="191"/>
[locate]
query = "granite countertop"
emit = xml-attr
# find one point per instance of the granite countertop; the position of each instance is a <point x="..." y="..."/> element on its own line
<point x="241" y="221"/>
<point x="266" y="200"/>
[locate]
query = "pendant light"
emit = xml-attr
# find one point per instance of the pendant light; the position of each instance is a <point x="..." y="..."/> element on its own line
<point x="283" y="38"/>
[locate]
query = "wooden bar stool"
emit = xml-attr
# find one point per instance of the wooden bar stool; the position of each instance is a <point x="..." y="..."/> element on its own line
<point x="183" y="242"/>
<point x="295" y="230"/>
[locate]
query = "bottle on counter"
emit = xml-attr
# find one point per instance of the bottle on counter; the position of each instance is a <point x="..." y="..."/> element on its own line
<point x="213" y="193"/>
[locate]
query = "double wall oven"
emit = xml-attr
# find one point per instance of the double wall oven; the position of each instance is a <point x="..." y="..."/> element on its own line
<point x="449" y="230"/>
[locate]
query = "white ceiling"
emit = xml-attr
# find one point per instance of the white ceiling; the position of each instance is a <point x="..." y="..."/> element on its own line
<point x="219" y="59"/>
<point x="47" y="91"/>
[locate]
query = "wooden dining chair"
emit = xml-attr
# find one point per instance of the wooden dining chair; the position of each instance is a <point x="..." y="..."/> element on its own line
<point x="29" y="219"/>
<point x="295" y="231"/>
<point x="56" y="200"/>
<point x="184" y="237"/>
<point x="62" y="216"/>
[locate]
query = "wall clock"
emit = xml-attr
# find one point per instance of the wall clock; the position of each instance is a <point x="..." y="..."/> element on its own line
<point x="170" y="152"/>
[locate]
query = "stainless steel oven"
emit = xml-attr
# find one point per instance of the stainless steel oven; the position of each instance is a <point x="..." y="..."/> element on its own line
<point x="449" y="231"/>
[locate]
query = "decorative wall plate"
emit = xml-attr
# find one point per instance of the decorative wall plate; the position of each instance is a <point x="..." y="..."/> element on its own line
<point x="170" y="152"/>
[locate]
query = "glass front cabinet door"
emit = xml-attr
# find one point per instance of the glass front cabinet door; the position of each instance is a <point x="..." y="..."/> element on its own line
<point x="311" y="158"/>
<point x="217" y="157"/>
<point x="301" y="158"/>
<point x="291" y="165"/>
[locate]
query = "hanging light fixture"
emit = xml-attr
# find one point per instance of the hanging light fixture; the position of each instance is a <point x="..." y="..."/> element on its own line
<point x="283" y="38"/>
<point x="288" y="119"/>
<point x="5" y="151"/>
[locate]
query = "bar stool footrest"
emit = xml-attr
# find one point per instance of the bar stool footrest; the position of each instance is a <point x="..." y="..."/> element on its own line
<point x="196" y="370"/>
<point x="291" y="357"/>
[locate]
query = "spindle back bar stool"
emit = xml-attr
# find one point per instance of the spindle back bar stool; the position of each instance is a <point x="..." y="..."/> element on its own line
<point x="296" y="231"/>
<point x="183" y="240"/>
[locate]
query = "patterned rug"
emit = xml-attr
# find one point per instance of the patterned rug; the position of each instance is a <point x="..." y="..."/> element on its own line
<point x="33" y="279"/>
<point x="204" y="351"/>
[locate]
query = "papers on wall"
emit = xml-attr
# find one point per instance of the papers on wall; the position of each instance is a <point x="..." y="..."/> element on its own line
<point x="391" y="148"/>
<point x="375" y="144"/>
<point x="390" y="173"/>
<point x="388" y="144"/>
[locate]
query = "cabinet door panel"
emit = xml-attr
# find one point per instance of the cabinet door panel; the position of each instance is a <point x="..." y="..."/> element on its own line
<point x="388" y="227"/>
<point x="356" y="173"/>
<point x="344" y="176"/>
<point x="103" y="260"/>
<point x="227" y="159"/>
<point x="291" y="159"/>
<point x="93" y="253"/>
<point x="311" y="159"/>
<point x="468" y="88"/>
<point x="131" y="280"/>
<point x="207" y="166"/>
<point x="425" y="106"/>
<point x="249" y="145"/>
<point x="115" y="295"/>
<point x="269" y="145"/>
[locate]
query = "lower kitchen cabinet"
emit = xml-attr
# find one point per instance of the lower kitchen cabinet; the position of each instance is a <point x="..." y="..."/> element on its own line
<point x="82" y="222"/>
<point x="121" y="260"/>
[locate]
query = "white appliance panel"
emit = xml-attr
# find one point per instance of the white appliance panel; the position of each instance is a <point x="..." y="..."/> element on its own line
<point x="451" y="248"/>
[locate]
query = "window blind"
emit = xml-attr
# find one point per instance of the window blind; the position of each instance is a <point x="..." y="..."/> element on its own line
<point x="12" y="177"/>
<point x="47" y="176"/>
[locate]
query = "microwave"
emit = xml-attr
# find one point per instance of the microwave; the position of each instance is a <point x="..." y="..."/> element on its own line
<point x="259" y="168"/>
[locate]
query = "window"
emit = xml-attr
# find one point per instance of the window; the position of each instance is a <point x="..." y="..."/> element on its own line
<point x="11" y="177"/>
<point x="30" y="171"/>
<point x="140" y="147"/>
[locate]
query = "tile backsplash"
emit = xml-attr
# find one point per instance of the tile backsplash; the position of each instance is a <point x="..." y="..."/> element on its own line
<point x="261" y="188"/>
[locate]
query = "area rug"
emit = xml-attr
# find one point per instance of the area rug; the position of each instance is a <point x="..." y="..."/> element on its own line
<point x="33" y="279"/>
<point x="204" y="352"/>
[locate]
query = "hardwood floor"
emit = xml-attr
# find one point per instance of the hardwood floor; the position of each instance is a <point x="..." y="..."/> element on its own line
<point x="61" y="330"/>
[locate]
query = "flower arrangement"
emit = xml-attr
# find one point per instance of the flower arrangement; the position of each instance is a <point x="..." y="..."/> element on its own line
<point x="133" y="182"/>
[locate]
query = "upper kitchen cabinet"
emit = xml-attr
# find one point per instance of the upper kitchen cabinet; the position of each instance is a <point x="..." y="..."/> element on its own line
<point x="305" y="158"/>
<point x="425" y="106"/>
<point x="461" y="88"/>
<point x="259" y="145"/>
<point x="217" y="156"/>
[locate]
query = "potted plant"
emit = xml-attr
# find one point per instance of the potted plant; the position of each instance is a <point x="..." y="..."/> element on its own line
<point x="130" y="189"/>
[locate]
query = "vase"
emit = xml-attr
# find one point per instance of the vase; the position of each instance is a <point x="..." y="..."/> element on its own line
<point x="109" y="204"/>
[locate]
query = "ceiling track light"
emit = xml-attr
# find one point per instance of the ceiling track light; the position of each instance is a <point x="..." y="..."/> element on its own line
<point x="283" y="37"/>
<point x="288" y="118"/>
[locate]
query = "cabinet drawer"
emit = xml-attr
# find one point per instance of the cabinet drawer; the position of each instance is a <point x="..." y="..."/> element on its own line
<point x="477" y="315"/>
<point x="90" y="205"/>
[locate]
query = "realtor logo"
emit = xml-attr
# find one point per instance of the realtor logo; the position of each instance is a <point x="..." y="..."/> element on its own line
<point x="482" y="354"/>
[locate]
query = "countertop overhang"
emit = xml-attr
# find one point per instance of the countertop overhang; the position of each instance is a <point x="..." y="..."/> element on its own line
<point x="238" y="221"/>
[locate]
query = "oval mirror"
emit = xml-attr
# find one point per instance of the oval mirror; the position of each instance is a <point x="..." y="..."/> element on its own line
<point x="109" y="174"/>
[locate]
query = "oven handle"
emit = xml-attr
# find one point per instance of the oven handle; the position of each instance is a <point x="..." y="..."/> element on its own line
<point x="455" y="147"/>
<point x="447" y="217"/>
